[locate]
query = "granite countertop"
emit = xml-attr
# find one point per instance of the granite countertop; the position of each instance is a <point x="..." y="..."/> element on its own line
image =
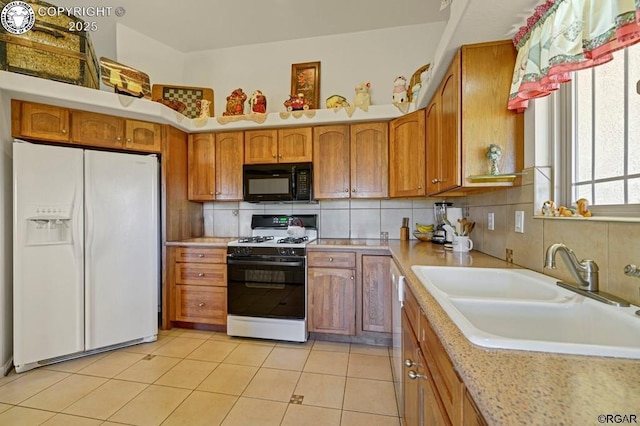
<point x="520" y="387"/>
<point x="508" y="386"/>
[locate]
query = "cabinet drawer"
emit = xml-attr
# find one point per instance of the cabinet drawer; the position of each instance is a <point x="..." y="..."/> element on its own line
<point x="201" y="274"/>
<point x="201" y="304"/>
<point x="201" y="255"/>
<point x="450" y="387"/>
<point x="331" y="259"/>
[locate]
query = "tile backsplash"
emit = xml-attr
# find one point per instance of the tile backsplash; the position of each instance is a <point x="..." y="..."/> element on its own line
<point x="338" y="218"/>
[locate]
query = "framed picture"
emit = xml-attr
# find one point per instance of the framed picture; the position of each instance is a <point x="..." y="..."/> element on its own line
<point x="305" y="79"/>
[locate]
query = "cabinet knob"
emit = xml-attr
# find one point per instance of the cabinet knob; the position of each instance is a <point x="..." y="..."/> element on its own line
<point x="201" y="304"/>
<point x="352" y="278"/>
<point x="331" y="259"/>
<point x="273" y="156"/>
<point x="201" y="274"/>
<point x="280" y="156"/>
<point x="64" y="131"/>
<point x="353" y="190"/>
<point x="409" y="363"/>
<point x="201" y="255"/>
<point x="419" y="186"/>
<point x="211" y="193"/>
<point x="346" y="190"/>
<point x="218" y="192"/>
<point x="413" y="375"/>
<point x="128" y="140"/>
<point x="434" y="181"/>
<point x="118" y="138"/>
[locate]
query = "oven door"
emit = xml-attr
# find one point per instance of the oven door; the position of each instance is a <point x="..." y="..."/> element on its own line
<point x="273" y="287"/>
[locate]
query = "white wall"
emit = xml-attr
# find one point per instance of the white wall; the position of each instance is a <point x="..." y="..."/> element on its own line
<point x="6" y="244"/>
<point x="346" y="60"/>
<point x="163" y="64"/>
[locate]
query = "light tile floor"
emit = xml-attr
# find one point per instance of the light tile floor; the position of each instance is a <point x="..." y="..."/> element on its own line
<point x="203" y="378"/>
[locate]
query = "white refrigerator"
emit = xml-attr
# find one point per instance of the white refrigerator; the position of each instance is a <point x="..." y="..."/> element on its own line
<point x="86" y="252"/>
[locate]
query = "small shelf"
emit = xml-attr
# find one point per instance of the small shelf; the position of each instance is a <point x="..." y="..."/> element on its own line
<point x="510" y="177"/>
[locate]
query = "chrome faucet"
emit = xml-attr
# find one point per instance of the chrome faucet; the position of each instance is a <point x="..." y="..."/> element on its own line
<point x="585" y="272"/>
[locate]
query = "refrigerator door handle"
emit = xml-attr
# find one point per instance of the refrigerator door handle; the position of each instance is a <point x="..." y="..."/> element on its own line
<point x="401" y="289"/>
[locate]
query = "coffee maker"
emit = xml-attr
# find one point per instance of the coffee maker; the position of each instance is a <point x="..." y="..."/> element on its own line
<point x="440" y="213"/>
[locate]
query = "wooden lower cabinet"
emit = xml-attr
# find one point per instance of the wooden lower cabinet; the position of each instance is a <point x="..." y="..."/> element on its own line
<point x="433" y="392"/>
<point x="349" y="293"/>
<point x="200" y="285"/>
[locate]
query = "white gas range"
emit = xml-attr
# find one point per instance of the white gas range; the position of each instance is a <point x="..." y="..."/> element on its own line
<point x="267" y="278"/>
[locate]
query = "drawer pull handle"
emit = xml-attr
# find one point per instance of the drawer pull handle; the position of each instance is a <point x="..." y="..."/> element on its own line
<point x="201" y="255"/>
<point x="409" y="363"/>
<point x="201" y="304"/>
<point x="413" y="375"/>
<point x="201" y="274"/>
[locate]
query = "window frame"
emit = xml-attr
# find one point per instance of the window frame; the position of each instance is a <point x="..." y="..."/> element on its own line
<point x="564" y="131"/>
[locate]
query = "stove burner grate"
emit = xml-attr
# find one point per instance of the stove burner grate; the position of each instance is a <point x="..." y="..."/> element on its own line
<point x="258" y="239"/>
<point x="293" y="240"/>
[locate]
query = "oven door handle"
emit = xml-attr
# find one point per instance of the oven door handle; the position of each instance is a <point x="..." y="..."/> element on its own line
<point x="264" y="262"/>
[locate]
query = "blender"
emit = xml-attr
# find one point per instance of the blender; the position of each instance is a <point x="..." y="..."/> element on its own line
<point x="440" y="213"/>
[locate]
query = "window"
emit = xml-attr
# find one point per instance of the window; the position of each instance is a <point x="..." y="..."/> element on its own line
<point x="601" y="115"/>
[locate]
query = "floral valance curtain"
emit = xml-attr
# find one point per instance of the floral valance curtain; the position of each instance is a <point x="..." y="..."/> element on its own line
<point x="568" y="35"/>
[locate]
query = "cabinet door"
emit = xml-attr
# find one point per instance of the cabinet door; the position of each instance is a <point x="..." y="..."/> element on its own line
<point x="449" y="92"/>
<point x="331" y="162"/>
<point x="40" y="121"/>
<point x="295" y="145"/>
<point x="93" y="129"/>
<point x="229" y="159"/>
<point x="369" y="160"/>
<point x="471" y="416"/>
<point x="331" y="307"/>
<point x="376" y="294"/>
<point x="260" y="146"/>
<point x="143" y="136"/>
<point x="410" y="362"/>
<point x="407" y="155"/>
<point x="201" y="166"/>
<point x="434" y="157"/>
<point x="432" y="412"/>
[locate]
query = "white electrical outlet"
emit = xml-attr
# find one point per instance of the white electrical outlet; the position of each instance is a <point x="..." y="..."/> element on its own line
<point x="490" y="222"/>
<point x="519" y="222"/>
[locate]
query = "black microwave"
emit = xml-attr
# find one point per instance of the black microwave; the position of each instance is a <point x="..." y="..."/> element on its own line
<point x="277" y="182"/>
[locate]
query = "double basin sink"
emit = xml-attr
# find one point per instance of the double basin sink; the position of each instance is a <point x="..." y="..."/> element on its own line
<point x="526" y="310"/>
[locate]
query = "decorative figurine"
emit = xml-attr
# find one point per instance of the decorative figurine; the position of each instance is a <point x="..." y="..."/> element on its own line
<point x="296" y="103"/>
<point x="363" y="99"/>
<point x="549" y="208"/>
<point x="202" y="108"/>
<point x="336" y="102"/>
<point x="258" y="102"/>
<point x="583" y="207"/>
<point x="400" y="90"/>
<point x="494" y="154"/>
<point x="235" y="103"/>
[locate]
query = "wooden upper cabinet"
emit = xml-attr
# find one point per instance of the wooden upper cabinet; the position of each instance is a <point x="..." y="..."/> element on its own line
<point x="407" y="155"/>
<point x="295" y="145"/>
<point x="143" y="136"/>
<point x="471" y="105"/>
<point x="369" y="160"/>
<point x="201" y="166"/>
<point x="37" y="121"/>
<point x="228" y="170"/>
<point x="331" y="162"/>
<point x="449" y="94"/>
<point x="278" y="146"/>
<point x="261" y="146"/>
<point x="97" y="129"/>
